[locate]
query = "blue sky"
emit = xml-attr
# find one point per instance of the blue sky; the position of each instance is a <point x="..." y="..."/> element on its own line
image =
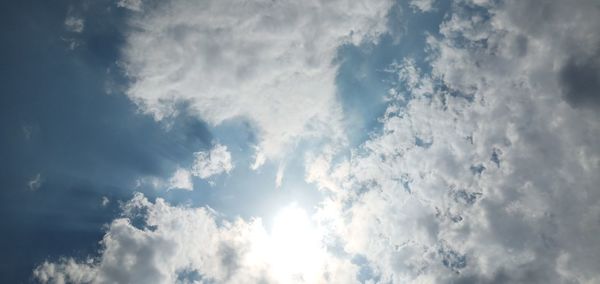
<point x="253" y="141"/>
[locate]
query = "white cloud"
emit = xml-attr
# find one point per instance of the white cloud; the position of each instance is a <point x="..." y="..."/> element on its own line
<point x="105" y="201"/>
<point x="268" y="62"/>
<point x="422" y="5"/>
<point x="214" y="162"/>
<point x="280" y="174"/>
<point x="181" y="179"/>
<point x="176" y="240"/>
<point x="151" y="181"/>
<point x="35" y="183"/>
<point x="74" y="24"/>
<point x="492" y="178"/>
<point x="134" y="5"/>
<point x="206" y="164"/>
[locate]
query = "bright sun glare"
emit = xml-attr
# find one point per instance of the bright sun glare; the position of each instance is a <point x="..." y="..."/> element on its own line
<point x="295" y="249"/>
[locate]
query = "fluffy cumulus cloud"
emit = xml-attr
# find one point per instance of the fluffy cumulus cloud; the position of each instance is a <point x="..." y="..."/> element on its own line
<point x="269" y="62"/>
<point x="174" y="244"/>
<point x="486" y="169"/>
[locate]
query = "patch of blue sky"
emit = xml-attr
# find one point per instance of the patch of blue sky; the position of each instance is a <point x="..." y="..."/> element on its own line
<point x="245" y="192"/>
<point x="363" y="81"/>
<point x="60" y="127"/>
<point x="366" y="274"/>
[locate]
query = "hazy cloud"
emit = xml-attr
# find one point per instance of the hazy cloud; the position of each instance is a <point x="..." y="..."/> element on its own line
<point x="35" y="182"/>
<point x="74" y="24"/>
<point x="134" y="5"/>
<point x="105" y="201"/>
<point x="422" y="5"/>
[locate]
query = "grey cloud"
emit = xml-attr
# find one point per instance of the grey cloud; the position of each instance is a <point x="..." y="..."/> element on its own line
<point x="580" y="80"/>
<point x="568" y="29"/>
<point x="526" y="275"/>
<point x="229" y="259"/>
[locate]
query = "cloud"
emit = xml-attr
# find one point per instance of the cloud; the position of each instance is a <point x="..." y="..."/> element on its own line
<point x="74" y="24"/>
<point x="176" y="242"/>
<point x="206" y="164"/>
<point x="214" y="162"/>
<point x="29" y="131"/>
<point x="35" y="183"/>
<point x="134" y="5"/>
<point x="181" y="179"/>
<point x="580" y="80"/>
<point x="422" y="5"/>
<point x="268" y="62"/>
<point x="484" y="171"/>
<point x="105" y="201"/>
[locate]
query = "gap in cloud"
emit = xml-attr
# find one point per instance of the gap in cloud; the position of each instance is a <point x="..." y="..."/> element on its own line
<point x="242" y="191"/>
<point x="363" y="78"/>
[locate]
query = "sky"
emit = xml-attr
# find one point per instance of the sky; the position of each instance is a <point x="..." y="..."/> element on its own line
<point x="322" y="141"/>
